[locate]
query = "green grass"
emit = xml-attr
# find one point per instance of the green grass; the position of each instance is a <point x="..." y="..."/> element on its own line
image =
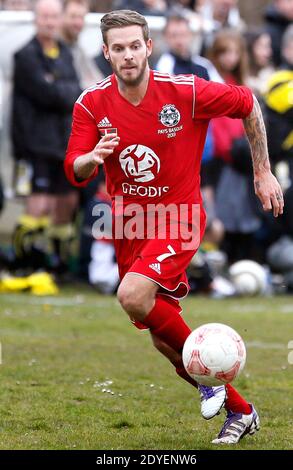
<point x="58" y="351"/>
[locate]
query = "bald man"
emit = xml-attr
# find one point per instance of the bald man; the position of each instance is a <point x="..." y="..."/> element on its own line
<point x="45" y="89"/>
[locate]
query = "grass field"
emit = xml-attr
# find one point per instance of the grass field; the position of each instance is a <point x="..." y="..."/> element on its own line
<point x="62" y="354"/>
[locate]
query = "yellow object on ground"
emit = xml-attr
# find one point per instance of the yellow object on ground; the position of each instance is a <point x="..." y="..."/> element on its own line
<point x="37" y="284"/>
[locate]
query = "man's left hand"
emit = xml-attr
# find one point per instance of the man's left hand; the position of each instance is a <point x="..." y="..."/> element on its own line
<point x="269" y="192"/>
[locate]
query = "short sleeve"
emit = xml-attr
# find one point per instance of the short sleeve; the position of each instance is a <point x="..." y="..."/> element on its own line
<point x="83" y="139"/>
<point x="219" y="99"/>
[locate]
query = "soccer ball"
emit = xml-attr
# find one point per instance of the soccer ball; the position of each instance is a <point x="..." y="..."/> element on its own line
<point x="248" y="277"/>
<point x="214" y="354"/>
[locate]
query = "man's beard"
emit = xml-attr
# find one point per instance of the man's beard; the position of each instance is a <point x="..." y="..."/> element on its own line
<point x="132" y="82"/>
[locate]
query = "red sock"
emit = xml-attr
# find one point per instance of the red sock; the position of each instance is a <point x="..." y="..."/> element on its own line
<point x="235" y="402"/>
<point x="181" y="371"/>
<point x="183" y="374"/>
<point x="166" y="323"/>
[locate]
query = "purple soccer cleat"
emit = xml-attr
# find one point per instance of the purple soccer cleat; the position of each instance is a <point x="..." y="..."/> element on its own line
<point x="236" y="426"/>
<point x="212" y="400"/>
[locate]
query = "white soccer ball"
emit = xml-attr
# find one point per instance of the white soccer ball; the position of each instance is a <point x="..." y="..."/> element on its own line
<point x="214" y="354"/>
<point x="248" y="277"/>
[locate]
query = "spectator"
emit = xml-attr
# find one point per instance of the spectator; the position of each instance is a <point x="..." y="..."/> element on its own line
<point x="17" y="5"/>
<point x="103" y="268"/>
<point x="101" y="6"/>
<point x="44" y="91"/>
<point x="259" y="47"/>
<point x="229" y="55"/>
<point x="179" y="60"/>
<point x="145" y="7"/>
<point x="222" y="14"/>
<point x="279" y="106"/>
<point x="280" y="253"/>
<point x="88" y="73"/>
<point x="188" y="4"/>
<point x="287" y="49"/>
<point x="187" y="8"/>
<point x="278" y="16"/>
<point x="219" y="14"/>
<point x="178" y="37"/>
<point x="72" y="25"/>
<point x="237" y="209"/>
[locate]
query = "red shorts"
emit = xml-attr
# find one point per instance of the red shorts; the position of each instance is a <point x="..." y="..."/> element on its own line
<point x="162" y="260"/>
<point x="143" y="257"/>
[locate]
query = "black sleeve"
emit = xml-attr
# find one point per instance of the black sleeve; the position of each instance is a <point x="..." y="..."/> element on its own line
<point x="32" y="81"/>
<point x="288" y="211"/>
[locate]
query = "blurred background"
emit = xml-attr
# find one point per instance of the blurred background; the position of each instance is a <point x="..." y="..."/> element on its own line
<point x="50" y="52"/>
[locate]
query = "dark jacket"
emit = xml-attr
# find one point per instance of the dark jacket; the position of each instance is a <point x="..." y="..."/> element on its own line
<point x="279" y="115"/>
<point x="178" y="65"/>
<point x="44" y="92"/>
<point x="275" y="25"/>
<point x="103" y="65"/>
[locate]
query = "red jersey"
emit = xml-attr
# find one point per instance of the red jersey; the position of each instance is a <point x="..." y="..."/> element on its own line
<point x="157" y="162"/>
<point x="161" y="139"/>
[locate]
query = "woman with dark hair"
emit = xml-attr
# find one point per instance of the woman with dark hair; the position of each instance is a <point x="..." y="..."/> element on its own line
<point x="259" y="46"/>
<point x="234" y="208"/>
<point x="229" y="55"/>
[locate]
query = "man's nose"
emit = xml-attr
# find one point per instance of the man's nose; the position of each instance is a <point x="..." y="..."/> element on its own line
<point x="128" y="54"/>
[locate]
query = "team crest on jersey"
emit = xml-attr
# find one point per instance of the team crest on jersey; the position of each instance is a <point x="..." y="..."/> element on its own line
<point x="140" y="163"/>
<point x="169" y="116"/>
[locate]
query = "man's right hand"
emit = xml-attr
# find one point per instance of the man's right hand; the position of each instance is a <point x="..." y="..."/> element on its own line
<point x="85" y="165"/>
<point x="104" y="148"/>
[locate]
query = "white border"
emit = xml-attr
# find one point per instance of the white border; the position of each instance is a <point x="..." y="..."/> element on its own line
<point x="163" y="287"/>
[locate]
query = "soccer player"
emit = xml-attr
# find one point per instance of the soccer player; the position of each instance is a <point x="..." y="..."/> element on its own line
<point x="148" y="129"/>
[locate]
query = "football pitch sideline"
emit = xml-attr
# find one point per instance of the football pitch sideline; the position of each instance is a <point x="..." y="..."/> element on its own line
<point x="76" y="374"/>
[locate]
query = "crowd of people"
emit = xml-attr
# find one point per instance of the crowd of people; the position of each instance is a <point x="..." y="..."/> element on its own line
<point x="51" y="71"/>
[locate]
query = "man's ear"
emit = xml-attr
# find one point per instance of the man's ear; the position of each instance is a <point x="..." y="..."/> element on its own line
<point x="149" y="45"/>
<point x="106" y="52"/>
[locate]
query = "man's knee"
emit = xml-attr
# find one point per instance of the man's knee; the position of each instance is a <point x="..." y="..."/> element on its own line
<point x="131" y="299"/>
<point x="136" y="298"/>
